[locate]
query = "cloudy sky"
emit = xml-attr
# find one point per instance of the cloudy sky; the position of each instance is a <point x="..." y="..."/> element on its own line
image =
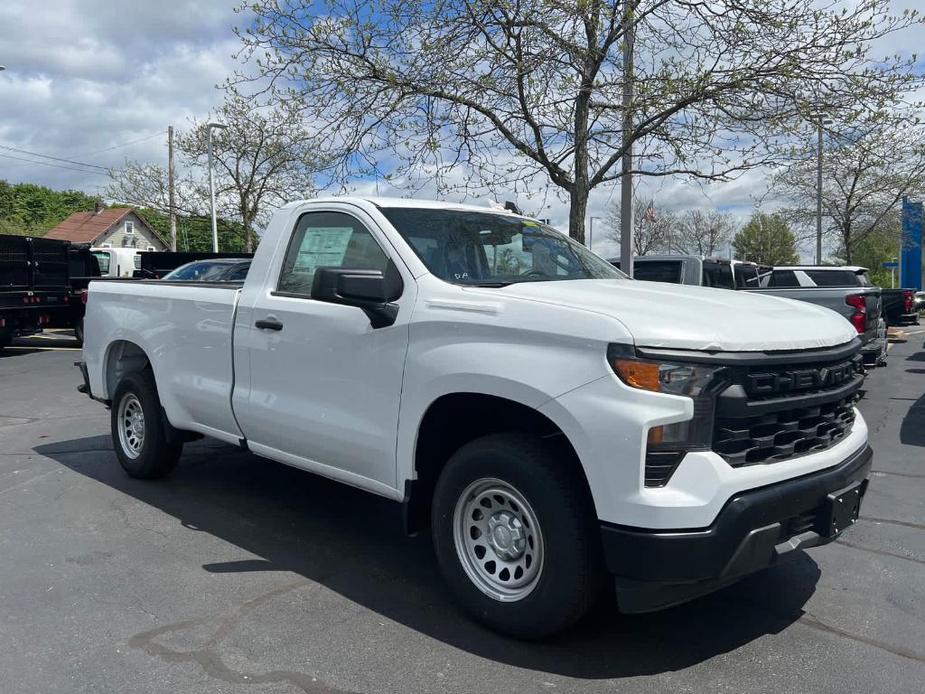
<point x="96" y="82"/>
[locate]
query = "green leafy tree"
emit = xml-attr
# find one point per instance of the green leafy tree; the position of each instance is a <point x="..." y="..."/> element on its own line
<point x="29" y="209"/>
<point x="878" y="246"/>
<point x="766" y="239"/>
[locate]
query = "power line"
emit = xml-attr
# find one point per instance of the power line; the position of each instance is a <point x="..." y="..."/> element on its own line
<point x="55" y="166"/>
<point x="47" y="156"/>
<point x="124" y="144"/>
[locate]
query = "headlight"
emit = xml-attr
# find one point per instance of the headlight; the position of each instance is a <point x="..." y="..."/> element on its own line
<point x="660" y="377"/>
<point x="667" y="444"/>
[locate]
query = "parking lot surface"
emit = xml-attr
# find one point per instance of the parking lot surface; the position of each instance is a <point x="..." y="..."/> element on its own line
<point x="237" y="574"/>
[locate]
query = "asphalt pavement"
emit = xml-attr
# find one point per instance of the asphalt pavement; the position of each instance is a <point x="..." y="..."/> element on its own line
<point x="237" y="574"/>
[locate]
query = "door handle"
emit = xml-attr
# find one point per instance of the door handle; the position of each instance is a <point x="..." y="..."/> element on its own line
<point x="269" y="323"/>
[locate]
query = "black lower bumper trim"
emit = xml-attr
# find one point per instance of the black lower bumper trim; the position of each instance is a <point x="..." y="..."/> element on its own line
<point x="755" y="529"/>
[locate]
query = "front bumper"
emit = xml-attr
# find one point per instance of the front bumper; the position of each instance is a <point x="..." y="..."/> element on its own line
<point x="755" y="529"/>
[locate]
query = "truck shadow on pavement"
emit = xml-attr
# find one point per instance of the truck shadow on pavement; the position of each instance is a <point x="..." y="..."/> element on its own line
<point x="352" y="543"/>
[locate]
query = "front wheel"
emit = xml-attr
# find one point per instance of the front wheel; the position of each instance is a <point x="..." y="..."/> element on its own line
<point x="138" y="432"/>
<point x="516" y="536"/>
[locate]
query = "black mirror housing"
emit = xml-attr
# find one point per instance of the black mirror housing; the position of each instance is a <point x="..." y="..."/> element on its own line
<point x="373" y="291"/>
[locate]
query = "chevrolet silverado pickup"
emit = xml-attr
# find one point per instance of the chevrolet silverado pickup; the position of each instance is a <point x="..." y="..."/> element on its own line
<point x="551" y="421"/>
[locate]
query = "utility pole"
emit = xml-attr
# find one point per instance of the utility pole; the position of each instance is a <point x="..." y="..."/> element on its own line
<point x="820" y="121"/>
<point x="209" y="128"/>
<point x="626" y="177"/>
<point x="171" y="190"/>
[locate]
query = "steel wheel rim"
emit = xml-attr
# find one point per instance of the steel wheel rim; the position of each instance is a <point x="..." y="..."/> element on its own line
<point x="498" y="540"/>
<point x="131" y="425"/>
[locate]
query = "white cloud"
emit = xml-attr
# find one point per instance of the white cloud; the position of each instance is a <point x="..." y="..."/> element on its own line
<point x="86" y="75"/>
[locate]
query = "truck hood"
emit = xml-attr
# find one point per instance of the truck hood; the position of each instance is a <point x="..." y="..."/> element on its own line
<point x="658" y="314"/>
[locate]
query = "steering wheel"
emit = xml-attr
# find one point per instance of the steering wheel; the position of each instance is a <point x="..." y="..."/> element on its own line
<point x="537" y="273"/>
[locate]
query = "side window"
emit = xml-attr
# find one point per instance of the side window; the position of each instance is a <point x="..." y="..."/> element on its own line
<point x="783" y="278"/>
<point x="327" y="239"/>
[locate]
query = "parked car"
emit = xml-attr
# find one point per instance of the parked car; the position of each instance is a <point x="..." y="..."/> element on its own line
<point x="156" y="264"/>
<point x="899" y="306"/>
<point x="551" y="420"/>
<point x="34" y="288"/>
<point x="845" y="290"/>
<point x="215" y="270"/>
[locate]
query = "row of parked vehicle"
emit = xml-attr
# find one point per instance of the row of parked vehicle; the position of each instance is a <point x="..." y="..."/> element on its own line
<point x="43" y="282"/>
<point x="847" y="290"/>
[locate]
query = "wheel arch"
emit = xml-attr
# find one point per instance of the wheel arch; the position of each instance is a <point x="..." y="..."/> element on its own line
<point x="123" y="357"/>
<point x="454" y="419"/>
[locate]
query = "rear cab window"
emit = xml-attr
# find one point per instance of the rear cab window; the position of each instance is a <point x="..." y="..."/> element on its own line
<point x="658" y="271"/>
<point x="783" y="278"/>
<point x="718" y="275"/>
<point x="837" y="278"/>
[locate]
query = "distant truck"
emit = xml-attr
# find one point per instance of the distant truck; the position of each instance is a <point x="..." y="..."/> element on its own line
<point x="899" y="306"/>
<point x="847" y="290"/>
<point x="34" y="288"/>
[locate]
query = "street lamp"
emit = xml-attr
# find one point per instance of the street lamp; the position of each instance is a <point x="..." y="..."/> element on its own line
<point x="591" y="233"/>
<point x="820" y="121"/>
<point x="209" y="128"/>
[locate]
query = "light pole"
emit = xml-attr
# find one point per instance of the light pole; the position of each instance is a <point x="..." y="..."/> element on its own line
<point x="209" y="128"/>
<point x="591" y="234"/>
<point x="820" y="121"/>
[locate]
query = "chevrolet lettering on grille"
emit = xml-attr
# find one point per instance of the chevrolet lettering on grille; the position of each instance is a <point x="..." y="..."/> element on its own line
<point x="799" y="379"/>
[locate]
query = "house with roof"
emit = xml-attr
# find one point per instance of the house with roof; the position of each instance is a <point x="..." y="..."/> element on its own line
<point x="113" y="227"/>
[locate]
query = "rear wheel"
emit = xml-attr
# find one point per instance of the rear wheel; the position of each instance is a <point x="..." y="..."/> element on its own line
<point x="516" y="537"/>
<point x="138" y="432"/>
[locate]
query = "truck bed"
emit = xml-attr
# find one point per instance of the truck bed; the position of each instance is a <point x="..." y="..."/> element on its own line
<point x="188" y="328"/>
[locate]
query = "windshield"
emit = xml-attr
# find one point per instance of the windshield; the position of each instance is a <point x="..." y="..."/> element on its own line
<point x="487" y="249"/>
<point x="102" y="257"/>
<point x="199" y="271"/>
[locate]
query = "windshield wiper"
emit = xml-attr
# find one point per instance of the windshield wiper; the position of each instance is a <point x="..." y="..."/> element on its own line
<point x="487" y="284"/>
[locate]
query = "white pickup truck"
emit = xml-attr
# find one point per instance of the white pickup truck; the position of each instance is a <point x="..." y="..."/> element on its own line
<point x="552" y="421"/>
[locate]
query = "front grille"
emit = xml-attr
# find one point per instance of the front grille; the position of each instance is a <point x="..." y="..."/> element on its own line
<point x="783" y="434"/>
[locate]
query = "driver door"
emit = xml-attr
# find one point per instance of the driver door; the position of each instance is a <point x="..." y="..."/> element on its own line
<point x="322" y="385"/>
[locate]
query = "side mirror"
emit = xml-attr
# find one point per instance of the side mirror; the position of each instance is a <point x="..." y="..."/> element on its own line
<point x="373" y="291"/>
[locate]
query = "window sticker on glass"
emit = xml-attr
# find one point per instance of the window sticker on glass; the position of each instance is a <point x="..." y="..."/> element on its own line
<point x="322" y="247"/>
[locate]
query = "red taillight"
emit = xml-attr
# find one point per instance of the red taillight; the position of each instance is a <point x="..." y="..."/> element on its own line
<point x="859" y="319"/>
<point x="908" y="301"/>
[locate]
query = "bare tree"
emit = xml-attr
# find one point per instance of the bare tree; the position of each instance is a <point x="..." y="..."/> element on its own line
<point x="652" y="228"/>
<point x="867" y="169"/>
<point x="145" y="185"/>
<point x="702" y="232"/>
<point x="518" y="91"/>
<point x="263" y="158"/>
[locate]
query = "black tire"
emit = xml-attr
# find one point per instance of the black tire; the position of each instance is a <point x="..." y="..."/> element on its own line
<point x="154" y="456"/>
<point x="572" y="573"/>
<point x="79" y="333"/>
